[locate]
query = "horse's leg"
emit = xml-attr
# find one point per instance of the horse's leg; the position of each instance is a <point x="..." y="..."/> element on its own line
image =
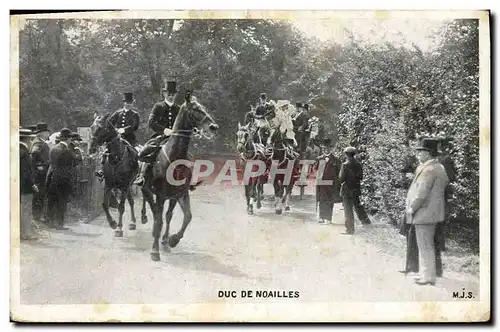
<point x="186" y="209"/>
<point x="278" y="188"/>
<point x="105" y="206"/>
<point x="248" y="196"/>
<point x="130" y="199"/>
<point x="168" y="218"/>
<point x="158" y="225"/>
<point x="121" y="210"/>
<point x="286" y="198"/>
<point x="147" y="196"/>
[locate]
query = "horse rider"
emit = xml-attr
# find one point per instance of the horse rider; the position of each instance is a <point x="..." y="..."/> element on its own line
<point x="263" y="110"/>
<point x="126" y="120"/>
<point x="161" y="121"/>
<point x="63" y="158"/>
<point x="40" y="161"/>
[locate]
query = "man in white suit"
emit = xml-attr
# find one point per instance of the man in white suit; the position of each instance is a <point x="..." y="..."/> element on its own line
<point x="425" y="206"/>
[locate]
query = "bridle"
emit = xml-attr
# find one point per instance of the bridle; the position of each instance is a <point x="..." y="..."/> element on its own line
<point x="195" y="131"/>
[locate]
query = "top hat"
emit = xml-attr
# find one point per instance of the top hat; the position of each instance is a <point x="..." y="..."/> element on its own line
<point x="65" y="133"/>
<point x="42" y="126"/>
<point x="306" y="106"/>
<point x="25" y="132"/>
<point x="428" y="144"/>
<point x="350" y="150"/>
<point x="298" y="104"/>
<point x="170" y="87"/>
<point x="263" y="96"/>
<point x="128" y="97"/>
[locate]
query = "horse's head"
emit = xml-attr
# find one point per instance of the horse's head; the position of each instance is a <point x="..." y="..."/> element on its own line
<point x="243" y="136"/>
<point x="102" y="131"/>
<point x="198" y="117"/>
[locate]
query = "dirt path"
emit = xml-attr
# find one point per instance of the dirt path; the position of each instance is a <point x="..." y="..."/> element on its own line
<point x="225" y="249"/>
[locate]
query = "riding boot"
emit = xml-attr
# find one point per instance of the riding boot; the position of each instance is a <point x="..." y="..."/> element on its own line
<point x="140" y="179"/>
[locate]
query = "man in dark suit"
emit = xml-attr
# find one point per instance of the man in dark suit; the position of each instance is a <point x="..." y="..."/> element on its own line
<point x="351" y="174"/>
<point x="63" y="158"/>
<point x="161" y="121"/>
<point x="27" y="185"/>
<point x="328" y="194"/>
<point x="301" y="126"/>
<point x="40" y="158"/>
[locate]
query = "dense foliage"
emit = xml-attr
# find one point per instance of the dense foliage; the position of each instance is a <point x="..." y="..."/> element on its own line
<point x="377" y="97"/>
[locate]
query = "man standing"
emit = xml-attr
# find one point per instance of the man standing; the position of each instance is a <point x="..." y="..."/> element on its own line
<point x="425" y="206"/>
<point x="126" y="120"/>
<point x="63" y="158"/>
<point x="40" y="158"/>
<point x="301" y="127"/>
<point x="27" y="185"/>
<point x="351" y="174"/>
<point x="161" y="121"/>
<point x="328" y="194"/>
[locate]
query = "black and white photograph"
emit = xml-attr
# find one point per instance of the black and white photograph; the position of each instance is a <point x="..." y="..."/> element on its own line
<point x="250" y="166"/>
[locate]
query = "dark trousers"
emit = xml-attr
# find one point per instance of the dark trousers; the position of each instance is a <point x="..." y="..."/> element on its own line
<point x="38" y="202"/>
<point x="57" y="202"/>
<point x="412" y="249"/>
<point x="352" y="204"/>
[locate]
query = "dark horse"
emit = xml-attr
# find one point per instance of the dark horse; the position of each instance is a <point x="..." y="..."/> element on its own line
<point x="283" y="154"/>
<point x="120" y="169"/>
<point x="192" y="118"/>
<point x="249" y="150"/>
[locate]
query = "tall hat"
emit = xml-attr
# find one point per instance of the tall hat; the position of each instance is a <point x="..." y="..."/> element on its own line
<point x="428" y="144"/>
<point x="306" y="106"/>
<point x="170" y="87"/>
<point x="298" y="104"/>
<point x="128" y="97"/>
<point x="263" y="95"/>
<point x="24" y="132"/>
<point x="42" y="126"/>
<point x="65" y="133"/>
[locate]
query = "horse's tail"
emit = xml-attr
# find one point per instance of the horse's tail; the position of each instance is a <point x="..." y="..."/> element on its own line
<point x="193" y="186"/>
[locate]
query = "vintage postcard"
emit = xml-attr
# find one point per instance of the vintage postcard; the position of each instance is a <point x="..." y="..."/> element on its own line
<point x="250" y="166"/>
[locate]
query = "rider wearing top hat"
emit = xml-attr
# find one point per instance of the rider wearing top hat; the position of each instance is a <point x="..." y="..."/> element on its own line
<point x="40" y="161"/>
<point x="126" y="120"/>
<point x="161" y="121"/>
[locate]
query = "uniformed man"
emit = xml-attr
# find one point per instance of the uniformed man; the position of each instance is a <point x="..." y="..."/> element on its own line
<point x="63" y="158"/>
<point x="351" y="174"/>
<point x="161" y="121"/>
<point x="126" y="120"/>
<point x="27" y="185"/>
<point x="40" y="158"/>
<point x="263" y="110"/>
